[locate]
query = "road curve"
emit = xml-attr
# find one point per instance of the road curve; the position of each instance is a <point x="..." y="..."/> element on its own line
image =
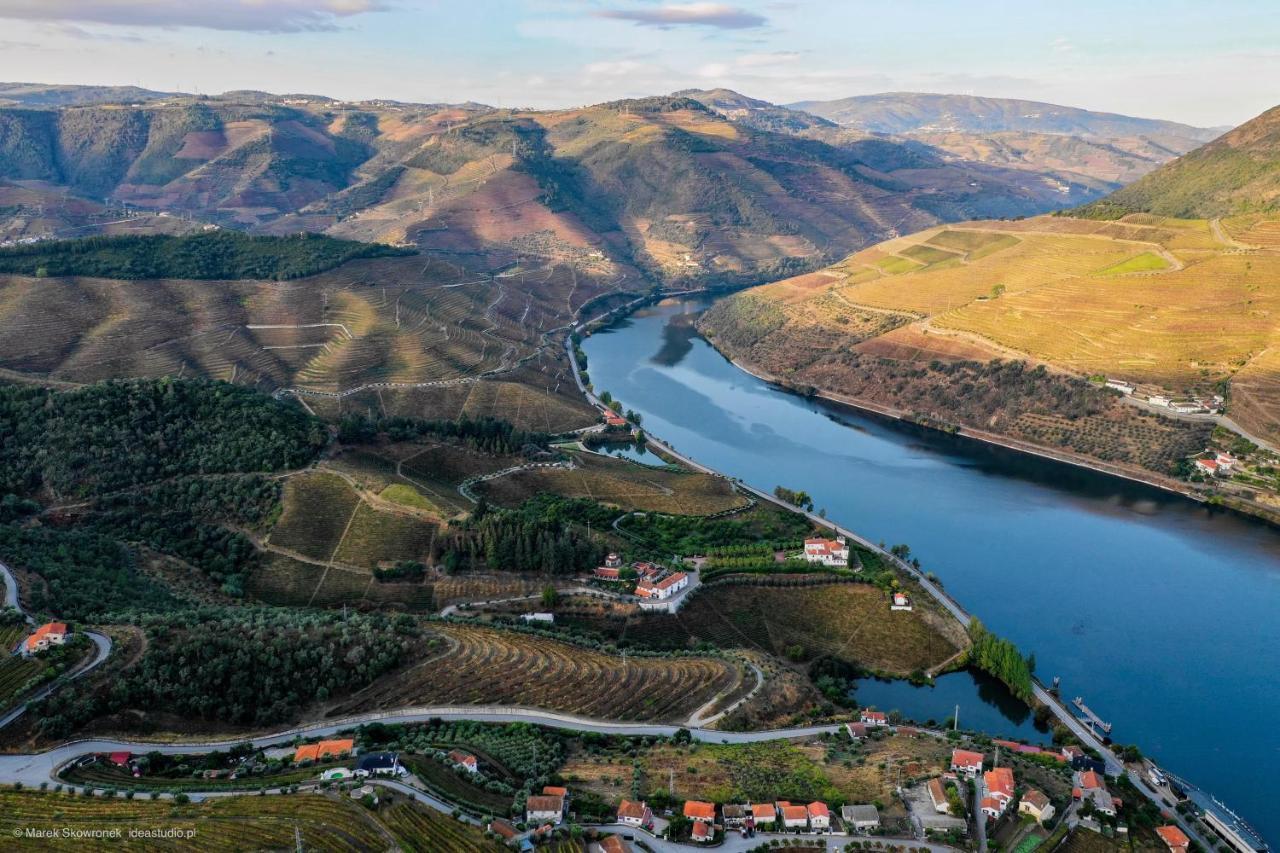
<point x="101" y="653"/>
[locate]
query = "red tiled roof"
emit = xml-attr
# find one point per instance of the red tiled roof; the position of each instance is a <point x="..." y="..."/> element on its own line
<point x="700" y="810"/>
<point x="631" y="809"/>
<point x="875" y="715"/>
<point x="1035" y="798"/>
<point x="614" y="844"/>
<point x="544" y="804"/>
<point x="795" y="813"/>
<point x="457" y="756"/>
<point x="671" y="579"/>
<point x="999" y="781"/>
<point x="316" y="751"/>
<point x="764" y="811"/>
<point x="555" y="791"/>
<point x="504" y="828"/>
<point x="120" y="758"/>
<point x="966" y="758"/>
<point x="701" y="830"/>
<point x="1090" y="779"/>
<point x="818" y="809"/>
<point x="48" y="629"/>
<point x="1173" y="836"/>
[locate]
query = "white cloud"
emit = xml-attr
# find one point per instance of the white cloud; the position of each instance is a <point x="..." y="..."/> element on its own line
<point x="268" y="16"/>
<point x="718" y="15"/>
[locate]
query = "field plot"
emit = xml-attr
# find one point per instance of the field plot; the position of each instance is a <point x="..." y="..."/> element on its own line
<point x="488" y="587"/>
<point x="486" y="666"/>
<point x="15" y="671"/>
<point x="318" y="507"/>
<point x="376" y="537"/>
<point x="622" y="484"/>
<point x="848" y="622"/>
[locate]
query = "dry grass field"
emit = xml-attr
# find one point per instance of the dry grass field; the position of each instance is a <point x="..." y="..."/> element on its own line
<point x="480" y="666"/>
<point x="1179" y="304"/>
<point x="619" y="483"/>
<point x="328" y="822"/>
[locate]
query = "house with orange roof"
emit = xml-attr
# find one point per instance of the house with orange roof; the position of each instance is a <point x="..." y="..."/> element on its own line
<point x="1087" y="780"/>
<point x="664" y="588"/>
<point x="819" y="816"/>
<point x="323" y="749"/>
<point x="614" y="844"/>
<point x="703" y="832"/>
<point x="465" y="760"/>
<point x="48" y="634"/>
<point x="1174" y="838"/>
<point x="828" y="552"/>
<point x="1035" y="803"/>
<point x="793" y="817"/>
<point x="874" y="718"/>
<point x="555" y="791"/>
<point x="938" y="795"/>
<point x="698" y="810"/>
<point x="967" y="762"/>
<point x="999" y="785"/>
<point x="634" y="813"/>
<point x="764" y="814"/>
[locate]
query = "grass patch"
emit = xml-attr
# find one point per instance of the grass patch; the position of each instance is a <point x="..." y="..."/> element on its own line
<point x="1146" y="262"/>
<point x="398" y="493"/>
<point x="896" y="266"/>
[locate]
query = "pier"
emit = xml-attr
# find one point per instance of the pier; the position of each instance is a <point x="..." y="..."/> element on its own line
<point x="1090" y="717"/>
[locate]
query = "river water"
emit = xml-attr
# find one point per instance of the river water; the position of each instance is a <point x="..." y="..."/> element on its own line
<point x="1164" y="614"/>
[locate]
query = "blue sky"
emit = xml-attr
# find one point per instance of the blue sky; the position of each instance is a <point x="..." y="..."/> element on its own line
<point x="1202" y="63"/>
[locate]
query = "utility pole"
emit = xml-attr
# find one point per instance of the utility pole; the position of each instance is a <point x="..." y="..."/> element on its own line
<point x="955" y="721"/>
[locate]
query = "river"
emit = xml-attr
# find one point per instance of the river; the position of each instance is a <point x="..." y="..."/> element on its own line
<point x="1160" y="611"/>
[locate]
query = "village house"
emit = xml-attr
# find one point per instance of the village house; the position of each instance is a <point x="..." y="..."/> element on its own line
<point x="646" y="569"/>
<point x="613" y="561"/>
<point x="607" y="573"/>
<point x="1174" y="838"/>
<point x="857" y="731"/>
<point x="764" y="814"/>
<point x="379" y="764"/>
<point x="819" y="816"/>
<point x="662" y="589"/>
<point x="1208" y="467"/>
<point x="323" y="749"/>
<point x="938" y="795"/>
<point x="555" y="791"/>
<point x="1226" y="462"/>
<point x="1123" y="387"/>
<point x="614" y="844"/>
<point x="860" y="818"/>
<point x="1036" y="804"/>
<point x="703" y="832"/>
<point x="967" y="762"/>
<point x="504" y="829"/>
<point x="613" y="419"/>
<point x="1072" y="752"/>
<point x="874" y="718"/>
<point x="698" y="810"/>
<point x="999" y="784"/>
<point x="545" y="618"/>
<point x="634" y="813"/>
<point x="734" y="815"/>
<point x="544" y="809"/>
<point x="900" y="602"/>
<point x="828" y="552"/>
<point x="48" y="634"/>
<point x="793" y="817"/>
<point x="465" y="760"/>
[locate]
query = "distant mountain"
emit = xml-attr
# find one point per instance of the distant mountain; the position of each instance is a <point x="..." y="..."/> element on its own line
<point x="756" y="113"/>
<point x="663" y="185"/>
<point x="1237" y="173"/>
<point x="51" y="95"/>
<point x="913" y="112"/>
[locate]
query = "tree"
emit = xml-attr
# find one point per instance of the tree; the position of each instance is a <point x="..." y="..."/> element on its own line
<point x="549" y="596"/>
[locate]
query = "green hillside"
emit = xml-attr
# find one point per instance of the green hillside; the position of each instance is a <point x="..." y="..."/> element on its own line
<point x="1235" y="174"/>
<point x="225" y="255"/>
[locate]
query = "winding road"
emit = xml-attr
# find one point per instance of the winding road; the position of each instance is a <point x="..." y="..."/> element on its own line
<point x="101" y="653"/>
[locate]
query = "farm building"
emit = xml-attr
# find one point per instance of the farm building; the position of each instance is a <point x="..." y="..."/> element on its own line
<point x="698" y="810"/>
<point x="874" y="718"/>
<point x="544" y="809"/>
<point x="662" y="589"/>
<point x="555" y="791"/>
<point x="613" y="419"/>
<point x="938" y="795"/>
<point x="900" y="602"/>
<point x="734" y="815"/>
<point x="608" y="573"/>
<point x="465" y="760"/>
<point x="819" y="816"/>
<point x="860" y="818"/>
<point x="857" y="731"/>
<point x="545" y="618"/>
<point x="614" y="844"/>
<point x="48" y="634"/>
<point x="828" y="552"/>
<point x="504" y="829"/>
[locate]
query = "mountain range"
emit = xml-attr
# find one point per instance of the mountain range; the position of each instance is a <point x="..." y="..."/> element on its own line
<point x="688" y="187"/>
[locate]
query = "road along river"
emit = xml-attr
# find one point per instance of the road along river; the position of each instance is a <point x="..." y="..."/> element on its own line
<point x="1159" y="610"/>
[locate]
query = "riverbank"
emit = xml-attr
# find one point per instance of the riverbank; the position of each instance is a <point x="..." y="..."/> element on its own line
<point x="689" y="394"/>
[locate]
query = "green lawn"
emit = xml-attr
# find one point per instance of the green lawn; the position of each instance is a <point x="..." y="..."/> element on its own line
<point x="1146" y="262"/>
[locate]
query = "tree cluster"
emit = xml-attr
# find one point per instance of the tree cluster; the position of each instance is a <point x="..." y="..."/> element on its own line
<point x="486" y="433"/>
<point x="1001" y="659"/>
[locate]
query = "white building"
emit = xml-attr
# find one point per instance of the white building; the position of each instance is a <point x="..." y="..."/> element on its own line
<point x="828" y="552"/>
<point x="544" y="809"/>
<point x="900" y="602"/>
<point x="663" y="589"/>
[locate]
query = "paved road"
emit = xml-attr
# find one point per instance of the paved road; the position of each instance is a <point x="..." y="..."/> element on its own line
<point x="101" y="641"/>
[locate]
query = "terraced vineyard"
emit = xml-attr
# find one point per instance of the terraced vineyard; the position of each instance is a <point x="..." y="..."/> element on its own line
<point x="1181" y="305"/>
<point x="390" y="321"/>
<point x="619" y="483"/>
<point x="15" y="671"/>
<point x="480" y="666"/>
<point x="324" y="822"/>
<point x="422" y="830"/>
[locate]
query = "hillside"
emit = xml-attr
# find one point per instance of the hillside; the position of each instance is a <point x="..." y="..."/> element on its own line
<point x="997" y="326"/>
<point x="54" y="95"/>
<point x="1238" y="173"/>
<point x="661" y="186"/>
<point x="910" y="112"/>
<point x="1097" y="151"/>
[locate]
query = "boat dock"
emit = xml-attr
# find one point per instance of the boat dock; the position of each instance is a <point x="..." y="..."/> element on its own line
<point x="1090" y="717"/>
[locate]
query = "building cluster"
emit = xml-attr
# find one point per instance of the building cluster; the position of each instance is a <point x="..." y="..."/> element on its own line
<point x="748" y="818"/>
<point x="654" y="582"/>
<point x="1220" y="465"/>
<point x="998" y="786"/>
<point x="1205" y="404"/>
